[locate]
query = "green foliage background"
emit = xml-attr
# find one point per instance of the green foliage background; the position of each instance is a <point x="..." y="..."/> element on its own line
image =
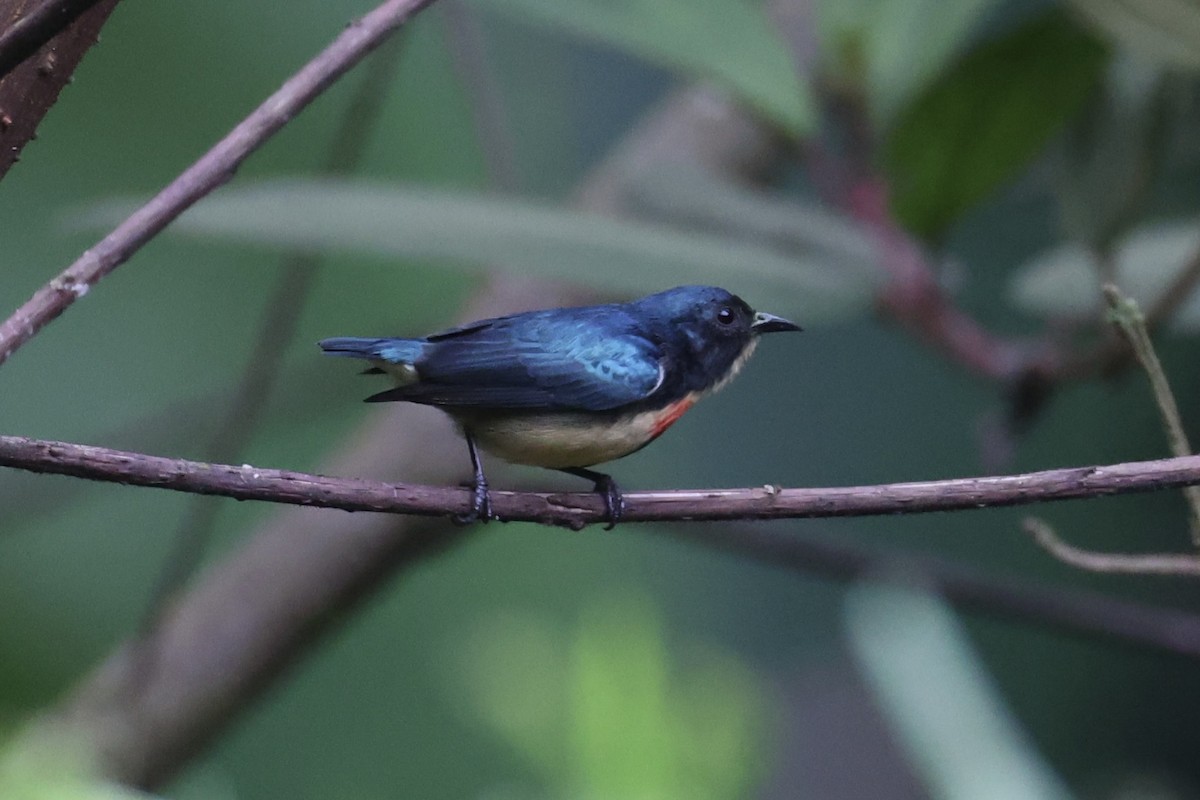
<point x="430" y="690"/>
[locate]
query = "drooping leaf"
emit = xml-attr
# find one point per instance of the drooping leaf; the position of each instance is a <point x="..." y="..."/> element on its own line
<point x="611" y="255"/>
<point x="1063" y="280"/>
<point x="987" y="118"/>
<point x="1164" y="31"/>
<point x="730" y="41"/>
<point x="699" y="199"/>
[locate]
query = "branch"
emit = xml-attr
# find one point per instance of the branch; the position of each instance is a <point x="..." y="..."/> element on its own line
<point x="29" y="86"/>
<point x="578" y="509"/>
<point x="1175" y="564"/>
<point x="23" y="38"/>
<point x="213" y="169"/>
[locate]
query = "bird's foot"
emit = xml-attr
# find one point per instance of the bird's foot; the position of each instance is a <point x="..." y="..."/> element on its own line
<point x="606" y="487"/>
<point x="614" y="501"/>
<point x="481" y="506"/>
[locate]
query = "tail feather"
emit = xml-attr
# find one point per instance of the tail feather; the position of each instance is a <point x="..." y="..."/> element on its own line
<point x="392" y="351"/>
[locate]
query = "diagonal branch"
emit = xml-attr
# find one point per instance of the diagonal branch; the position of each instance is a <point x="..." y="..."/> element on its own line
<point x="213" y="169"/>
<point x="34" y="70"/>
<point x="576" y="510"/>
<point x="41" y="24"/>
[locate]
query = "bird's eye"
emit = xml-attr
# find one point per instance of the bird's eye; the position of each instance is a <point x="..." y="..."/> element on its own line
<point x="725" y="316"/>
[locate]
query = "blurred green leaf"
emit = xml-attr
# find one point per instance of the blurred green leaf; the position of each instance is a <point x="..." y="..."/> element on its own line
<point x="606" y="713"/>
<point x="42" y="763"/>
<point x="730" y="41"/>
<point x="943" y="705"/>
<point x="1164" y="31"/>
<point x="491" y="231"/>
<point x="985" y="119"/>
<point x="909" y="42"/>
<point x="699" y="199"/>
<point x="1064" y="281"/>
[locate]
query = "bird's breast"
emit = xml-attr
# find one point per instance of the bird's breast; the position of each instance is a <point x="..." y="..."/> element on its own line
<point x="569" y="439"/>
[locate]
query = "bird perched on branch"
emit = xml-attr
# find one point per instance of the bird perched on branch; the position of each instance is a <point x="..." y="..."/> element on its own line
<point x="567" y="388"/>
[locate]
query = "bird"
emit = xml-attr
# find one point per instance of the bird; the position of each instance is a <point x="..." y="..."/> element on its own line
<point x="569" y="388"/>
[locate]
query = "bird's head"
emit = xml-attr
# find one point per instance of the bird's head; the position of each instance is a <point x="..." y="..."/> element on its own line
<point x="718" y="328"/>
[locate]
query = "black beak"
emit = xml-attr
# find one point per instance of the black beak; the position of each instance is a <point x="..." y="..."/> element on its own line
<point x="769" y="323"/>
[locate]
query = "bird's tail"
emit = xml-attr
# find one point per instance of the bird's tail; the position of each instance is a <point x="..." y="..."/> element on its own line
<point x="391" y="351"/>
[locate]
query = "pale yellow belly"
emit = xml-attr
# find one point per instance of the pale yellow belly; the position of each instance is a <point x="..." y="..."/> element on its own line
<point x="561" y="440"/>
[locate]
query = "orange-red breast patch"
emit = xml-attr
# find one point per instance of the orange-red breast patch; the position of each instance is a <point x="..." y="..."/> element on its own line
<point x="669" y="415"/>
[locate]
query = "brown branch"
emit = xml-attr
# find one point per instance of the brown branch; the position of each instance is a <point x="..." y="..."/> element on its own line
<point x="914" y="298"/>
<point x="578" y="509"/>
<point x="29" y="89"/>
<point x="213" y="169"/>
<point x="23" y="38"/>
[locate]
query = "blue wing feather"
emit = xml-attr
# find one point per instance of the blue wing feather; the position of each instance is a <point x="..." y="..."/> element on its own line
<point x="592" y="361"/>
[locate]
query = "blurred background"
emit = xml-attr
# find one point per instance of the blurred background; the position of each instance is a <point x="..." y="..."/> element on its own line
<point x="935" y="190"/>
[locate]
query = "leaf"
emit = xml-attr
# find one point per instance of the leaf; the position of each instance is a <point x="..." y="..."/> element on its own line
<point x="909" y="42"/>
<point x="1063" y="280"/>
<point x="686" y="195"/>
<point x="940" y="703"/>
<point x="49" y="763"/>
<point x="730" y="41"/>
<point x="1165" y="31"/>
<point x="489" y="231"/>
<point x="984" y="120"/>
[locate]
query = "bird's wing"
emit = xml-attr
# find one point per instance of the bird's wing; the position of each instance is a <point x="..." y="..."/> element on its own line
<point x="546" y="361"/>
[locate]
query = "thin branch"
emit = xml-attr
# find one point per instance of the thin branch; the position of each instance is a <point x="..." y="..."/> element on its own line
<point x="578" y="509"/>
<point x="1128" y="319"/>
<point x="23" y="38"/>
<point x="1117" y="563"/>
<point x="213" y="169"/>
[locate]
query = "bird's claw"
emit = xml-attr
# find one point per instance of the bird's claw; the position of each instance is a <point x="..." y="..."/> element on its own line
<point x="614" y="501"/>
<point x="481" y="506"/>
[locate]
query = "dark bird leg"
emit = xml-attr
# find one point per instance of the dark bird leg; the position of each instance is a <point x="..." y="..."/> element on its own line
<point x="481" y="504"/>
<point x="607" y="488"/>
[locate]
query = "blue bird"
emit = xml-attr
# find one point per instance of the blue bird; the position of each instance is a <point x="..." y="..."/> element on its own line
<point x="567" y="388"/>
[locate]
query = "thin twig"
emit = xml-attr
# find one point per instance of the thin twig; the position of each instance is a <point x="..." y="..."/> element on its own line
<point x="577" y="509"/>
<point x="213" y="169"/>
<point x="1128" y="319"/>
<point x="1122" y="563"/>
